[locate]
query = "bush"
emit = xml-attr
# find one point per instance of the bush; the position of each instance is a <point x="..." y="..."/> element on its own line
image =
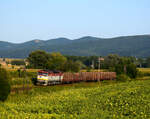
<point x="132" y="70"/>
<point x="4" y="84"/>
<point x="123" y="77"/>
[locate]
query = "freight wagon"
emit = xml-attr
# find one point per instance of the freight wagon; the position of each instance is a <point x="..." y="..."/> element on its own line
<point x="46" y="77"/>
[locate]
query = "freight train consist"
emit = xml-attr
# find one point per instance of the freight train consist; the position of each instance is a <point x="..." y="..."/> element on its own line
<point x="46" y="77"/>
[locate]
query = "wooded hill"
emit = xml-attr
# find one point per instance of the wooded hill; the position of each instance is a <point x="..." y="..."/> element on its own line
<point x="138" y="46"/>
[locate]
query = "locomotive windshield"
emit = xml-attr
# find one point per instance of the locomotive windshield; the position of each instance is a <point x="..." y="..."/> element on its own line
<point x="41" y="73"/>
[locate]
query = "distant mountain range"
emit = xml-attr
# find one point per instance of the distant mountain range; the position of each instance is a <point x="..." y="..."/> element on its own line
<point x="138" y="46"/>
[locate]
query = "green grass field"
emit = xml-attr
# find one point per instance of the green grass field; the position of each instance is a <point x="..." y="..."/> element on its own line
<point x="105" y="100"/>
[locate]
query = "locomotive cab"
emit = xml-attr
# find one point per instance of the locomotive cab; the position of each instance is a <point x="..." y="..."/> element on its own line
<point x="42" y="77"/>
<point x="47" y="77"/>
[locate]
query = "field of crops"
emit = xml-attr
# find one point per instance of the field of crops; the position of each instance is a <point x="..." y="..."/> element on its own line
<point x="144" y="69"/>
<point x="81" y="101"/>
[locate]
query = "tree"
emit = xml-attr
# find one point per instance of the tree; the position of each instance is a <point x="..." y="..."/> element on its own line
<point x="38" y="59"/>
<point x="4" y="84"/>
<point x="56" y="61"/>
<point x="87" y="61"/>
<point x="142" y="62"/>
<point x="121" y="65"/>
<point x="119" y="69"/>
<point x="110" y="61"/>
<point x="126" y="66"/>
<point x="132" y="70"/>
<point x="71" y="66"/>
<point x="148" y="62"/>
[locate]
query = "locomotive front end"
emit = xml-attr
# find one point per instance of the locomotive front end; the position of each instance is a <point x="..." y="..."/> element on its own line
<point x="42" y="78"/>
<point x="47" y="77"/>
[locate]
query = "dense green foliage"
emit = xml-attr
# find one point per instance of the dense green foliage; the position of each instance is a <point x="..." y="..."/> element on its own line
<point x="121" y="65"/>
<point x="111" y="61"/>
<point x="52" y="61"/>
<point x="22" y="77"/>
<point x="56" y="61"/>
<point x="131" y="70"/>
<point x="147" y="62"/>
<point x="87" y="62"/>
<point x="38" y="59"/>
<point x="71" y="66"/>
<point x="124" y="46"/>
<point x="80" y="101"/>
<point x="4" y="84"/>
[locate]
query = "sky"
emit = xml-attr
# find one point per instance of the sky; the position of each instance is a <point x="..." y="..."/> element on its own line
<point x="25" y="20"/>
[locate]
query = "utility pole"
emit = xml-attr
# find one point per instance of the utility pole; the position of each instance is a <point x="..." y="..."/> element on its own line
<point x="99" y="69"/>
<point x="93" y="64"/>
<point x="99" y="64"/>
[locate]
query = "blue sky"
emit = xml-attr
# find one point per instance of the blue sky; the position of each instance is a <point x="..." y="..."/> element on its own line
<point x="24" y="20"/>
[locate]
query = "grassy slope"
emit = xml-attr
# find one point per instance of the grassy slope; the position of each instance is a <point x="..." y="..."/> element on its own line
<point x="84" y="100"/>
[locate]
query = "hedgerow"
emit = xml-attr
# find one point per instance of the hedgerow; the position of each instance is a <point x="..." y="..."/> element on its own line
<point x="4" y="84"/>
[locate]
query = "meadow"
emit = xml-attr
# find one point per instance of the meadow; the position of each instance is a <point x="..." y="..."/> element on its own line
<point x="105" y="100"/>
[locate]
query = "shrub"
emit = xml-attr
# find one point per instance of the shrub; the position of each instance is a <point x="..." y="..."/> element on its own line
<point x="123" y="77"/>
<point x="4" y="84"/>
<point x="132" y="71"/>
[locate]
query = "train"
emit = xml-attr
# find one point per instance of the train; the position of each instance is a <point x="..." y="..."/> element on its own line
<point x="48" y="77"/>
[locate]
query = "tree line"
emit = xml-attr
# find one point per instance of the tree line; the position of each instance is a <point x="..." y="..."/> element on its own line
<point x="91" y="61"/>
<point x="55" y="61"/>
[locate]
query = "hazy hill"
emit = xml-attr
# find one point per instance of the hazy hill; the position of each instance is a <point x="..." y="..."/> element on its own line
<point x="125" y="46"/>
